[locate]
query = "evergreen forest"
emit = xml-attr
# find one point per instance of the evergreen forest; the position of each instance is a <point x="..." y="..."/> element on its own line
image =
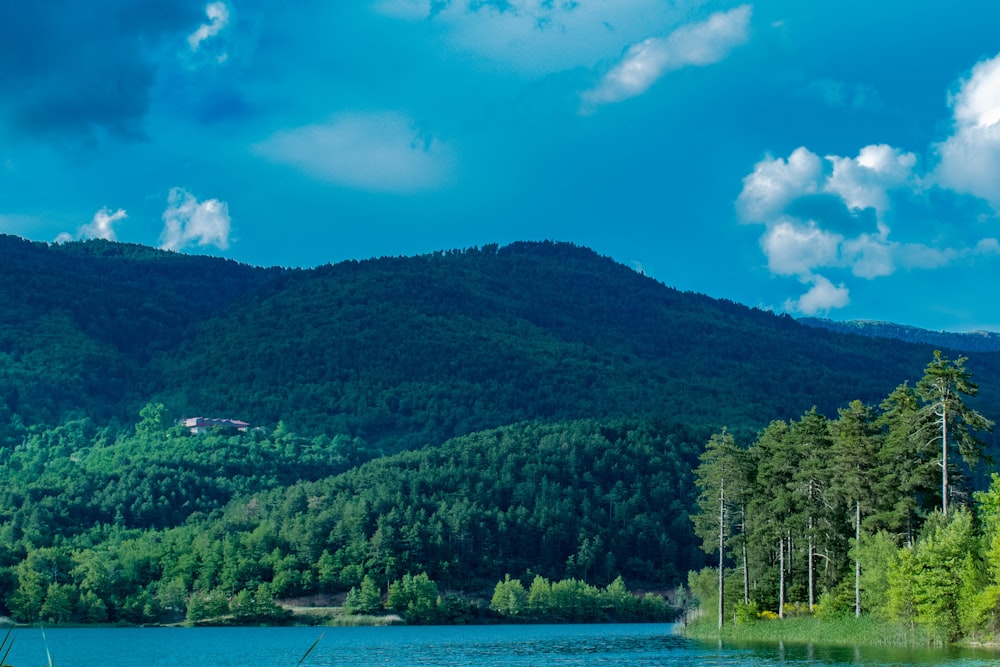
<point x="492" y="429"/>
<point x="872" y="512"/>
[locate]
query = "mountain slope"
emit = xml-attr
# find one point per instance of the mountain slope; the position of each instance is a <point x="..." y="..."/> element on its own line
<point x="411" y="351"/>
<point x="969" y="342"/>
<point x="80" y="320"/>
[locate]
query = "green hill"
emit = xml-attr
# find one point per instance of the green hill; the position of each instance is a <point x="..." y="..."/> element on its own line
<point x="409" y="351"/>
<point x="80" y="321"/>
<point x="531" y="409"/>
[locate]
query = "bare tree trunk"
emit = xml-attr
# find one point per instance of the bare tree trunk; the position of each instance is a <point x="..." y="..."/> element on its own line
<point x="789" y="559"/>
<point x="722" y="543"/>
<point x="781" y="579"/>
<point x="812" y="578"/>
<point x="857" y="560"/>
<point x="746" y="567"/>
<point x="944" y="458"/>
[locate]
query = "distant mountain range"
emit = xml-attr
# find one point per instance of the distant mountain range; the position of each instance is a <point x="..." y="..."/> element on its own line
<point x="972" y="341"/>
<point x="408" y="351"/>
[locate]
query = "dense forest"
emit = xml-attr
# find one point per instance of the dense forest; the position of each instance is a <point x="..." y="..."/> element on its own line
<point x="410" y="351"/>
<point x="141" y="524"/>
<point x="871" y="512"/>
<point x="431" y="423"/>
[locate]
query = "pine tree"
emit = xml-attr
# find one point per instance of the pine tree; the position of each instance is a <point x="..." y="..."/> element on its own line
<point x="856" y="447"/>
<point x="722" y="480"/>
<point x="810" y="437"/>
<point x="774" y="501"/>
<point x="941" y="389"/>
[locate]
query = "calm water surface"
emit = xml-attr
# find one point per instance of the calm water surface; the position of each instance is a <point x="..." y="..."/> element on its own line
<point x="481" y="646"/>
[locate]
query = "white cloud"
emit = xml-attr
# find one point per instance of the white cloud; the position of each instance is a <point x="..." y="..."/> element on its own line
<point x="794" y="249"/>
<point x="101" y="226"/>
<point x="970" y="157"/>
<point x="863" y="182"/>
<point x="380" y="152"/>
<point x="988" y="246"/>
<point x="218" y="18"/>
<point x="813" y="209"/>
<point x="186" y="222"/>
<point x="823" y="296"/>
<point x="775" y="183"/>
<point x="869" y="256"/>
<point x="695" y="44"/>
<point x="539" y="37"/>
<point x="977" y="103"/>
<point x="797" y="246"/>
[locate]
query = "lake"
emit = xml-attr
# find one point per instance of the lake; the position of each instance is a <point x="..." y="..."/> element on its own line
<point x="482" y="646"/>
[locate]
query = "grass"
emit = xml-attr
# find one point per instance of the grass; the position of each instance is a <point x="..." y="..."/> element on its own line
<point x="335" y="616"/>
<point x="6" y="645"/>
<point x="864" y="631"/>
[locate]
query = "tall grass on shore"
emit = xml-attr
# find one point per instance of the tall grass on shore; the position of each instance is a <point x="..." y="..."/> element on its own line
<point x="864" y="631"/>
<point x="6" y="645"/>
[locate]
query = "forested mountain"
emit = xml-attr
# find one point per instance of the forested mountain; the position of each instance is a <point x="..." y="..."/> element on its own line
<point x="531" y="409"/>
<point x="80" y="321"/>
<point x="968" y="342"/>
<point x="409" y="351"/>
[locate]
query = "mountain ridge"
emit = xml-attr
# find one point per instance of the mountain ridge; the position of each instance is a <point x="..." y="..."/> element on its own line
<point x="965" y="342"/>
<point x="409" y="351"/>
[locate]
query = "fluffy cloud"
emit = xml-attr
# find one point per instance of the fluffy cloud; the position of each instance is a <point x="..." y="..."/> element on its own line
<point x="379" y="152"/>
<point x="102" y="226"/>
<point x="821" y="297"/>
<point x="794" y="249"/>
<point x="775" y="183"/>
<point x="870" y="256"/>
<point x="837" y="213"/>
<point x="833" y="213"/>
<point x="864" y="182"/>
<point x="970" y="157"/>
<point x="696" y="44"/>
<point x="186" y="222"/>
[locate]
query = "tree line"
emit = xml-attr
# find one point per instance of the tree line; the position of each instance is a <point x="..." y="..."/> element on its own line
<point x="871" y="512"/>
<point x="160" y="524"/>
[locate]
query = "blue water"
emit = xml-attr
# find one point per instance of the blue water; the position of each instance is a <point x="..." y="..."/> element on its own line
<point x="480" y="646"/>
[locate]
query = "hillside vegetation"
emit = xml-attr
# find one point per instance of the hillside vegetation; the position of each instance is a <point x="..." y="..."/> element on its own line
<point x="533" y="410"/>
<point x="410" y="351"/>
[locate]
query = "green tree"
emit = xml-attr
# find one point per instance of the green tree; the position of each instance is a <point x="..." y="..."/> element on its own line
<point x="416" y="597"/>
<point x="774" y="503"/>
<point x="941" y="389"/>
<point x="811" y="481"/>
<point x="857" y="440"/>
<point x="721" y="479"/>
<point x="364" y="598"/>
<point x="207" y="606"/>
<point x="941" y="563"/>
<point x="906" y="463"/>
<point x="509" y="598"/>
<point x="91" y="609"/>
<point x="59" y="604"/>
<point x="876" y="555"/>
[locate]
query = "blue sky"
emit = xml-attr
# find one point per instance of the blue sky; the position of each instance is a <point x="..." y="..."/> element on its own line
<point x="835" y="159"/>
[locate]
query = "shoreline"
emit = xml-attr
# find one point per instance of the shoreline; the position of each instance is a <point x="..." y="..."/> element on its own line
<point x="850" y="631"/>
